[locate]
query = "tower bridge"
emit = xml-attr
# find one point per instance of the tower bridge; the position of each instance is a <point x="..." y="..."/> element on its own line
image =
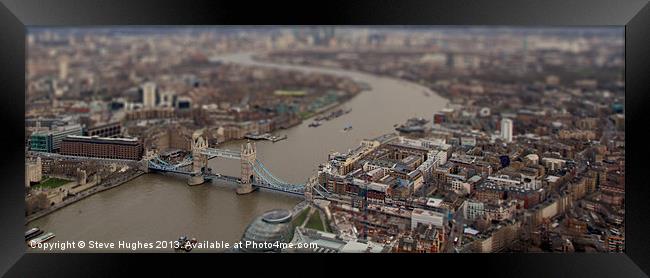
<point x="253" y="172"/>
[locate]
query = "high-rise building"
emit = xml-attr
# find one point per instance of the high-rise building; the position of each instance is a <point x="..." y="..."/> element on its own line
<point x="506" y="130"/>
<point x="63" y="68"/>
<point x="149" y="94"/>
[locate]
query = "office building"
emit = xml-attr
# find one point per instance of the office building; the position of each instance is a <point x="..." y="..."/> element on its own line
<point x="506" y="130"/>
<point x="427" y="217"/>
<point x="50" y="141"/>
<point x="273" y="226"/>
<point x="63" y="68"/>
<point x="149" y="94"/>
<point x="40" y="142"/>
<point x="106" y="130"/>
<point x="114" y="148"/>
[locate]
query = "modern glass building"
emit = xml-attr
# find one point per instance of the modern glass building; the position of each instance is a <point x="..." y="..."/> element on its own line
<point x="40" y="142"/>
<point x="272" y="227"/>
<point x="50" y="141"/>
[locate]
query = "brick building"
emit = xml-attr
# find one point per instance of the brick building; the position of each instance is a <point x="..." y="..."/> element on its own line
<point x="115" y="148"/>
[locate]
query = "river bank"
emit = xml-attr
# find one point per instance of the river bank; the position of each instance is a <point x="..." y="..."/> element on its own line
<point x="82" y="195"/>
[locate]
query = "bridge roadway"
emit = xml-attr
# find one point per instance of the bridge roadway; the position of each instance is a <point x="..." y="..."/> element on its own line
<point x="256" y="182"/>
<point x="262" y="176"/>
<point x="225" y="153"/>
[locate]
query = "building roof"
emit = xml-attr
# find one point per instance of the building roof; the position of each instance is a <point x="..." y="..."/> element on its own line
<point x="552" y="178"/>
<point x="101" y="140"/>
<point x="113" y="124"/>
<point x="58" y="130"/>
<point x="262" y="230"/>
<point x="474" y="179"/>
<point x="423" y="212"/>
<point x="470" y="231"/>
<point x="434" y="202"/>
<point x="371" y="185"/>
<point x="328" y="242"/>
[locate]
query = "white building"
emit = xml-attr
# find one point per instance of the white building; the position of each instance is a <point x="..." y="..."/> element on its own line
<point x="504" y="180"/>
<point x="434" y="202"/>
<point x="63" y="68"/>
<point x="534" y="159"/>
<point x="501" y="212"/>
<point x="426" y="217"/>
<point x="553" y="163"/>
<point x="435" y="158"/>
<point x="149" y="94"/>
<point x="473" y="209"/>
<point x="460" y="187"/>
<point x="524" y="182"/>
<point x="434" y="59"/>
<point x="332" y="243"/>
<point x="438" y="143"/>
<point x="440" y="158"/>
<point x="506" y="130"/>
<point x="484" y="112"/>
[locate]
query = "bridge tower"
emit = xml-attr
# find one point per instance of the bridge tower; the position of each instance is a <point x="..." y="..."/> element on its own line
<point x="248" y="153"/>
<point x="309" y="188"/>
<point x="199" y="160"/>
<point x="143" y="164"/>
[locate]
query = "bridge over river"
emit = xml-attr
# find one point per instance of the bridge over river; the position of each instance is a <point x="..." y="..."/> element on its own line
<point x="253" y="172"/>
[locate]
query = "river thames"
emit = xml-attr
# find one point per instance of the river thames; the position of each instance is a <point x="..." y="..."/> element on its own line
<point x="162" y="207"/>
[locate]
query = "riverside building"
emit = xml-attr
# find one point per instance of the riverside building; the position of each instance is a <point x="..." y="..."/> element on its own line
<point x="114" y="148"/>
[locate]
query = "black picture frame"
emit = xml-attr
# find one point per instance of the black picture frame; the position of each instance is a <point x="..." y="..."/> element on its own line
<point x="15" y="15"/>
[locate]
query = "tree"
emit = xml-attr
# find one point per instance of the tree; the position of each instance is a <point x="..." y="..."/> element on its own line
<point x="36" y="203"/>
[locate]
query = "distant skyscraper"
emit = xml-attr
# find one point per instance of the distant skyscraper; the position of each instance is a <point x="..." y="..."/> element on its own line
<point x="524" y="66"/>
<point x="63" y="68"/>
<point x="149" y="94"/>
<point x="167" y="99"/>
<point x="506" y="130"/>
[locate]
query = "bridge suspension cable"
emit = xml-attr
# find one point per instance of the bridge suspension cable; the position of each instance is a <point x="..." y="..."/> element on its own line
<point x="271" y="176"/>
<point x="266" y="171"/>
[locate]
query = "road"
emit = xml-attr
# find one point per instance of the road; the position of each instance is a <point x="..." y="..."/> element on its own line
<point x="456" y="231"/>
